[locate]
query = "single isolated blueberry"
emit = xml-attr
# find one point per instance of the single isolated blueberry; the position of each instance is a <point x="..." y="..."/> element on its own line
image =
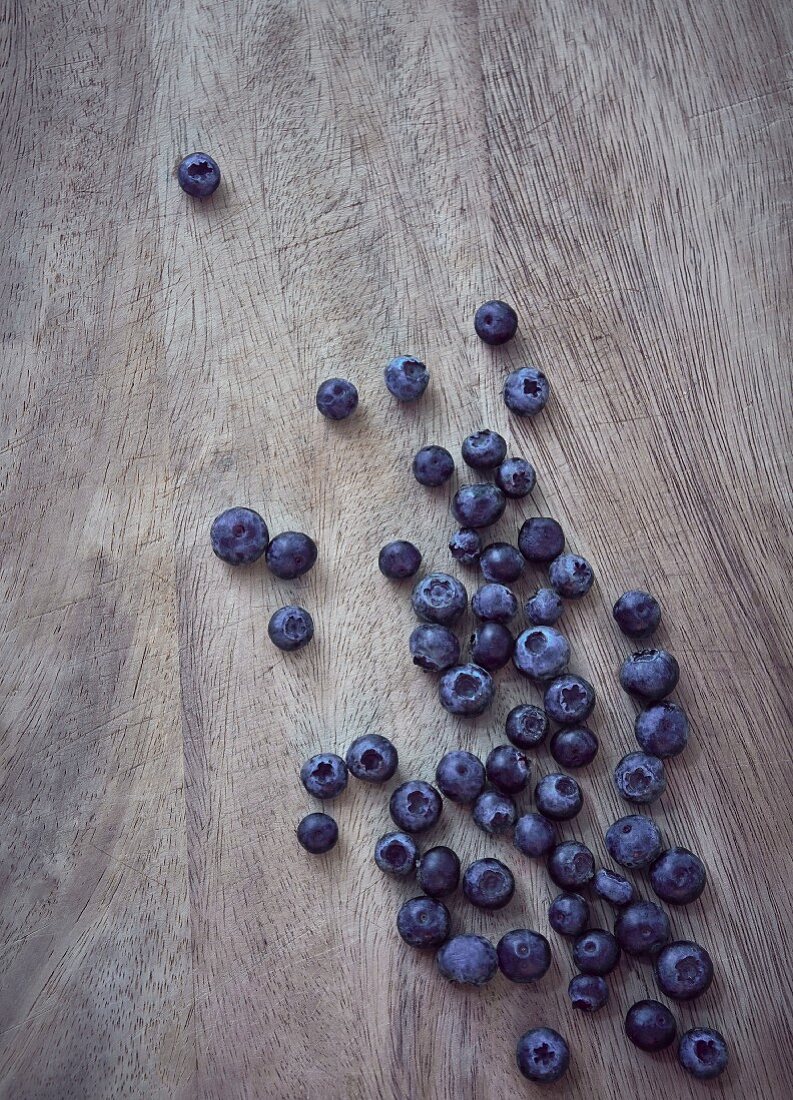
<point x="526" y="391"/>
<point x="406" y="378"/>
<point x="439" y="872"/>
<point x="488" y="884"/>
<point x="239" y="536"/>
<point x="527" y="726"/>
<point x="508" y="769"/>
<point x="317" y="833"/>
<point x="396" y="854"/>
<point x="544" y="608"/>
<point x="640" y="778"/>
<point x="571" y="865"/>
<point x="501" y="563"/>
<point x="469" y="960"/>
<point x="662" y="729"/>
<point x="596" y="951"/>
<point x="571" y="576"/>
<point x="543" y="1055"/>
<point x="432" y="466"/>
<point x="434" y="648"/>
<point x="534" y="835"/>
<point x="569" y="700"/>
<point x="478" y="505"/>
<point x="541" y="653"/>
<point x="424" y="922"/>
<point x="540" y="540"/>
<point x="491" y="646"/>
<point x="568" y="914"/>
<point x="372" y="758"/>
<point x="588" y="992"/>
<point x="415" y="806"/>
<point x="494" y="603"/>
<point x="650" y="674"/>
<point x="683" y="970"/>
<point x="574" y="746"/>
<point x="399" y="559"/>
<point x="465" y="546"/>
<point x="290" y="628"/>
<point x="642" y="929"/>
<point x="523" y="955"/>
<point x="703" y="1052"/>
<point x="633" y="841"/>
<point x="337" y="398"/>
<point x="460" y="776"/>
<point x="678" y="876"/>
<point x="650" y="1026"/>
<point x="558" y="797"/>
<point x="466" y="690"/>
<point x="324" y="775"/>
<point x="484" y="450"/>
<point x="494" y="813"/>
<point x="516" y="477"/>
<point x="495" y="322"/>
<point x="198" y="175"/>
<point x="439" y="598"/>
<point x="637" y="614"/>
<point x="614" y="888"/>
<point x="290" y="555"/>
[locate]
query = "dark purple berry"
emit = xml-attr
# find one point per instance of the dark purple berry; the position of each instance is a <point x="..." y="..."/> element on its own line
<point x="508" y="769"/>
<point x="541" y="653"/>
<point x="569" y="700"/>
<point x="650" y="1026"/>
<point x="543" y="1055"/>
<point x="415" y="806"/>
<point x="198" y="175"/>
<point x="439" y="598"/>
<point x="478" y="505"/>
<point x="526" y="391"/>
<point x="239" y="536"/>
<point x="558" y="797"/>
<point x="495" y="322"/>
<point x="291" y="554"/>
<point x="534" y="835"/>
<point x="541" y="539"/>
<point x="613" y="888"/>
<point x="650" y="674"/>
<point x="466" y="546"/>
<point x="434" y="648"/>
<point x="491" y="646"/>
<point x="406" y="378"/>
<point x="396" y="854"/>
<point x="439" y="872"/>
<point x="588" y="992"/>
<point x="596" y="952"/>
<point x="642" y="929"/>
<point x="637" y="613"/>
<point x="633" y="841"/>
<point x="469" y="960"/>
<point x="494" y="603"/>
<point x="290" y="628"/>
<point x="523" y="955"/>
<point x="484" y="450"/>
<point x="662" y="729"/>
<point x="678" y="876"/>
<point x="337" y="398"/>
<point x="372" y="758"/>
<point x="568" y="914"/>
<point x="571" y="576"/>
<point x="398" y="560"/>
<point x="460" y="776"/>
<point x="571" y="865"/>
<point x="527" y="726"/>
<point x="317" y="833"/>
<point x="516" y="477"/>
<point x="640" y="778"/>
<point x="488" y="884"/>
<point x="424" y="922"/>
<point x="494" y="813"/>
<point x="683" y="970"/>
<point x="324" y="775"/>
<point x="703" y="1053"/>
<point x="501" y="563"/>
<point x="544" y="608"/>
<point x="466" y="690"/>
<point x="574" y="747"/>
<point x="432" y="466"/>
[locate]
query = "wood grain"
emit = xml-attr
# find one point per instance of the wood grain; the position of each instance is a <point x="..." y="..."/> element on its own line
<point x="619" y="171"/>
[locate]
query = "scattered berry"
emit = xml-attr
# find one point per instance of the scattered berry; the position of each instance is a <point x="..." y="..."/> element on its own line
<point x="571" y="576"/>
<point x="494" y="813"/>
<point x="596" y="952"/>
<point x="527" y="726"/>
<point x="662" y="729"/>
<point x="495" y="322"/>
<point x="633" y="841"/>
<point x="613" y="888"/>
<point x="544" y="608"/>
<point x="541" y="539"/>
<point x="568" y="914"/>
<point x="650" y="1026"/>
<point x="574" y="746"/>
<point x="317" y="833"/>
<point x="637" y="613"/>
<point x="523" y="955"/>
<point x="494" y="603"/>
<point x="491" y="646"/>
<point x="526" y="391"/>
<point x="439" y="598"/>
<point x="501" y="563"/>
<point x="460" y="776"/>
<point x="239" y="536"/>
<point x="588" y="992"/>
<point x="432" y="466"/>
<point x="198" y="175"/>
<point x="484" y="450"/>
<point x="324" y="775"/>
<point x="424" y="922"/>
<point x="642" y="929"/>
<point x="569" y="700"/>
<point x="650" y="674"/>
<point x="466" y="690"/>
<point x="396" y="854"/>
<point x="372" y="758"/>
<point x="470" y="960"/>
<point x="683" y="970"/>
<point x="337" y="398"/>
<point x="290" y="628"/>
<point x="541" y="653"/>
<point x="640" y="778"/>
<point x="434" y="648"/>
<point x="406" y="378"/>
<point x="439" y="872"/>
<point x="488" y="884"/>
<point x="478" y="505"/>
<point x="571" y="865"/>
<point x="516" y="477"/>
<point x="534" y="835"/>
<point x="508" y="769"/>
<point x="466" y="546"/>
<point x="543" y="1055"/>
<point x="399" y="559"/>
<point x="415" y="806"/>
<point x="290" y="555"/>
<point x="558" y="797"/>
<point x="703" y="1052"/>
<point x="678" y="876"/>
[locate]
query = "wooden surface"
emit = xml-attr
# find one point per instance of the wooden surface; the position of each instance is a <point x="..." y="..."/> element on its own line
<point x="620" y="171"/>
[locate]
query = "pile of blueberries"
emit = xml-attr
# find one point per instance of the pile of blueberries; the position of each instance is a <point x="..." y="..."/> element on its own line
<point x="683" y="969"/>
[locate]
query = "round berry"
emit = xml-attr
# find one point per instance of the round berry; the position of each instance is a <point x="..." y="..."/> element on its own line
<point x="650" y="1026"/>
<point x="484" y="450"/>
<point x="678" y="876"/>
<point x="683" y="970"/>
<point x="439" y="598"/>
<point x="399" y="559"/>
<point x="650" y="674"/>
<point x="637" y="614"/>
<point x="642" y="929"/>
<point x="523" y="955"/>
<point x="526" y="391"/>
<point x="527" y="726"/>
<point x="633" y="841"/>
<point x="415" y="806"/>
<point x="396" y="854"/>
<point x="703" y="1052"/>
<point x="494" y="813"/>
<point x="544" y="608"/>
<point x="460" y="776"/>
<point x="239" y="536"/>
<point x="337" y="398"/>
<point x="596" y="952"/>
<point x="543" y="1055"/>
<point x="588" y="992"/>
<point x="541" y="653"/>
<point x="432" y="466"/>
<point x="516" y="477"/>
<point x="198" y="175"/>
<point x="571" y="865"/>
<point x="488" y="884"/>
<point x="568" y="914"/>
<point x="424" y="922"/>
<point x="640" y="778"/>
<point x="571" y="576"/>
<point x="569" y="700"/>
<point x="317" y="833"/>
<point x="613" y="888"/>
<point x="501" y="563"/>
<point x="439" y="872"/>
<point x="478" y="505"/>
<point x="491" y="646"/>
<point x="534" y="835"/>
<point x="290" y="628"/>
<point x="372" y="758"/>
<point x="494" y="603"/>
<point x="541" y="539"/>
<point x="469" y="960"/>
<point x="495" y="322"/>
<point x="406" y="378"/>
<point x="466" y="690"/>
<point x="508" y="769"/>
<point x="662" y="729"/>
<point x="558" y="797"/>
<point x="434" y="648"/>
<point x="324" y="775"/>
<point x="465" y="546"/>
<point x="291" y="554"/>
<point x="574" y="747"/>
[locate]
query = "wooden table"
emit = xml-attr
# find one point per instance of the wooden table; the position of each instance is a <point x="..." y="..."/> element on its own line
<point x="621" y="173"/>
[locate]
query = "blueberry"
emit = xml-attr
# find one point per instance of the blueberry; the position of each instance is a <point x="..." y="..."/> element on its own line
<point x="527" y="726"/>
<point x="571" y="865"/>
<point x="439" y="872"/>
<point x="396" y="854"/>
<point x="424" y="922"/>
<point x="466" y="546"/>
<point x="439" y="598"/>
<point x="508" y="769"/>
<point x="491" y="646"/>
<point x="432" y="466"/>
<point x="678" y="876"/>
<point x="523" y="955"/>
<point x="637" y="613"/>
<point x="571" y="576"/>
<point x="406" y="378"/>
<point x="526" y="391"/>
<point x="372" y="758"/>
<point x="534" y="835"/>
<point x="434" y="648"/>
<point x="703" y="1052"/>
<point x="291" y="554"/>
<point x="541" y="653"/>
<point x="495" y="322"/>
<point x="596" y="951"/>
<point x="399" y="559"/>
<point x="574" y="747"/>
<point x="683" y="970"/>
<point x="198" y="175"/>
<point x="494" y="603"/>
<point x="415" y="806"/>
<point x="478" y="505"/>
<point x="239" y="536"/>
<point x="501" y="563"/>
<point x="324" y="775"/>
<point x="337" y="398"/>
<point x="466" y="690"/>
<point x="639" y="777"/>
<point x="484" y="450"/>
<point x="588" y="992"/>
<point x="650" y="1026"/>
<point x="290" y="628"/>
<point x="470" y="960"/>
<point x="633" y="841"/>
<point x="662" y="729"/>
<point x="460" y="776"/>
<point x="317" y="833"/>
<point x="516" y="477"/>
<point x="540" y="540"/>
<point x="494" y="813"/>
<point x="569" y="700"/>
<point x="614" y="888"/>
<point x="488" y="884"/>
<point x="558" y="797"/>
<point x="543" y="1055"/>
<point x="642" y="929"/>
<point x="568" y="914"/>
<point x="650" y="674"/>
<point x="544" y="608"/>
